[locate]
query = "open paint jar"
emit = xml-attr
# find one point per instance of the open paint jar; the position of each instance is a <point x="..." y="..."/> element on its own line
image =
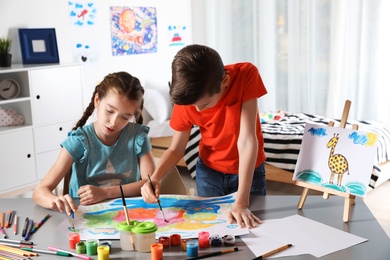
<point x="144" y="235"/>
<point x="126" y="235"/>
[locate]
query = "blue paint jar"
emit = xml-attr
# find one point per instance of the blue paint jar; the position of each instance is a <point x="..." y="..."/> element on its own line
<point x="192" y="248"/>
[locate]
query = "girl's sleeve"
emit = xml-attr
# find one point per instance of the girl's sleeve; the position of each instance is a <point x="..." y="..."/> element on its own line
<point x="74" y="144"/>
<point x="142" y="142"/>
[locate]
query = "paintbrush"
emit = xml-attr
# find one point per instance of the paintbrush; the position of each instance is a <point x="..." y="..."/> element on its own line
<point x="72" y="214"/>
<point x="126" y="214"/>
<point x="158" y="201"/>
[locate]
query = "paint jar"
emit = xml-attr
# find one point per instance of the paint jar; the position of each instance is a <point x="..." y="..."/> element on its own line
<point x="126" y="236"/>
<point x="73" y="238"/>
<point x="144" y="236"/>
<point x="91" y="245"/>
<point x="165" y="241"/>
<point x="157" y="251"/>
<point x="204" y="239"/>
<point x="229" y="240"/>
<point x="216" y="240"/>
<point x="103" y="252"/>
<point x="192" y="248"/>
<point x="184" y="244"/>
<point x="81" y="248"/>
<point x="175" y="240"/>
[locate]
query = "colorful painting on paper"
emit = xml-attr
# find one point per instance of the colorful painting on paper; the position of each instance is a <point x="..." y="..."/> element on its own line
<point x="337" y="158"/>
<point x="186" y="215"/>
<point x="82" y="13"/>
<point x="177" y="35"/>
<point x="133" y="30"/>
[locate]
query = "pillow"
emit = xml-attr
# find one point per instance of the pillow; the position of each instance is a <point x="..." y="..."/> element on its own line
<point x="158" y="104"/>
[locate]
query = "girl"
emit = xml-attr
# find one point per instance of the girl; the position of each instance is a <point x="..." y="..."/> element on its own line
<point x="100" y="156"/>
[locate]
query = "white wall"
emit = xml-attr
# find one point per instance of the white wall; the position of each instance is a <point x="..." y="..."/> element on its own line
<point x="152" y="69"/>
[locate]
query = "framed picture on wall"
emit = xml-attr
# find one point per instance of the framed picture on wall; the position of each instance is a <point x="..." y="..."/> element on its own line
<point x="38" y="45"/>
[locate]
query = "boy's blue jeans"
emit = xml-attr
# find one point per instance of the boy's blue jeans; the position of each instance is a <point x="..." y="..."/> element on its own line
<point x="210" y="183"/>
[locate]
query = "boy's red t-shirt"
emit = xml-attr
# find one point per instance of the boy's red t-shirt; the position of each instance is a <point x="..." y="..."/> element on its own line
<point x="220" y="125"/>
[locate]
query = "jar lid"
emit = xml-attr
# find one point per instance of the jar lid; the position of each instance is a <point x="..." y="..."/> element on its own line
<point x="123" y="225"/>
<point x="146" y="227"/>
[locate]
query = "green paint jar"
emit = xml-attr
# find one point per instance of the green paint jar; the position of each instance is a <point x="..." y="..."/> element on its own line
<point x="126" y="234"/>
<point x="144" y="236"/>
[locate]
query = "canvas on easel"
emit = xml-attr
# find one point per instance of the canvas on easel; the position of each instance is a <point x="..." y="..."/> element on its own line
<point x="335" y="160"/>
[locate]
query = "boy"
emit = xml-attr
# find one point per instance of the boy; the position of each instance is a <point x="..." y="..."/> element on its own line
<point x="222" y="101"/>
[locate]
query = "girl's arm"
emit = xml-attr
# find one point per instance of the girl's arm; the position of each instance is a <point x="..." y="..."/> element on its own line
<point x="43" y="193"/>
<point x="247" y="150"/>
<point x="91" y="194"/>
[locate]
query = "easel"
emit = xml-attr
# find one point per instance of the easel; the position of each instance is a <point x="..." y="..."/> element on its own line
<point x="349" y="199"/>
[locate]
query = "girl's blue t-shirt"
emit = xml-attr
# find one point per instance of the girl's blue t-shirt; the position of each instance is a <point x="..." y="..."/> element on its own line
<point x="100" y="165"/>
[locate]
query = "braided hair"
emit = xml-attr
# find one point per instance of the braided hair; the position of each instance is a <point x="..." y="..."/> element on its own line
<point x="124" y="84"/>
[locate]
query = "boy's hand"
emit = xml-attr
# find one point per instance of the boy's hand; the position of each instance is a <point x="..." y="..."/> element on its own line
<point x="148" y="194"/>
<point x="243" y="216"/>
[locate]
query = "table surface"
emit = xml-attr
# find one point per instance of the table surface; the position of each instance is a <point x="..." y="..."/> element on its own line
<point x="328" y="212"/>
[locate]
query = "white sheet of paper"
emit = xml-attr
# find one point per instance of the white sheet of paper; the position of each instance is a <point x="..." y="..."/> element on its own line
<point x="307" y="237"/>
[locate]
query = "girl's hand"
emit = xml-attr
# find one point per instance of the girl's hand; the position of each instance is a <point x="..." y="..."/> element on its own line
<point x="64" y="203"/>
<point x="90" y="194"/>
<point x="243" y="216"/>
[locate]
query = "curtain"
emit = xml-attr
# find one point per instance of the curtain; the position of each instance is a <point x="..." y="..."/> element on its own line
<point x="312" y="54"/>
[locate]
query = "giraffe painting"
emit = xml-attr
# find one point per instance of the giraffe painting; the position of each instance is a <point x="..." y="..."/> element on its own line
<point x="337" y="163"/>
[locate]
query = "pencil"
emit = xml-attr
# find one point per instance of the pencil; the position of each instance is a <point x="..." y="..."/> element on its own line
<point x="158" y="201"/>
<point x="40" y="223"/>
<point x="273" y="252"/>
<point x="68" y="252"/>
<point x="26" y="221"/>
<point x="21" y="242"/>
<point x="214" y="253"/>
<point x="29" y="228"/>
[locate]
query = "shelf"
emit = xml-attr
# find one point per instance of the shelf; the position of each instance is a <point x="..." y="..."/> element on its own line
<point x="4" y="129"/>
<point x="14" y="100"/>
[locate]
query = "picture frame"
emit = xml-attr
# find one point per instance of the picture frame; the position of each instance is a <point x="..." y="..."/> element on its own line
<point x="38" y="45"/>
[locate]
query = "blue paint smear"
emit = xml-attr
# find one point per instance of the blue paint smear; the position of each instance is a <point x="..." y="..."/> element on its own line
<point x="191" y="206"/>
<point x="311" y="176"/>
<point x="358" y="139"/>
<point x="317" y="131"/>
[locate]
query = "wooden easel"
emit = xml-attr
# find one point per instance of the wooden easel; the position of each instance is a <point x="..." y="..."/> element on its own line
<point x="349" y="199"/>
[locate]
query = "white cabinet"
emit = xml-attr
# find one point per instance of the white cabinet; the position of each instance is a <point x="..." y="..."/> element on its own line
<point x="50" y="100"/>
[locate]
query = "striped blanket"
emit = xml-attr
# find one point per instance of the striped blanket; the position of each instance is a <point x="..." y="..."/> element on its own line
<point x="282" y="140"/>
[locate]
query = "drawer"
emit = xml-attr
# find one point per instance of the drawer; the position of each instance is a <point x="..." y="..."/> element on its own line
<point x="49" y="137"/>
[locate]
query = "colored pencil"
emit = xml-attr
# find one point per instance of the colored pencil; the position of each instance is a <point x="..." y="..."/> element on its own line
<point x="40" y="223"/>
<point x="214" y="253"/>
<point x="2" y="219"/>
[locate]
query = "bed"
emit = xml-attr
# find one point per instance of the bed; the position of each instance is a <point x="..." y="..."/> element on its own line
<point x="283" y="133"/>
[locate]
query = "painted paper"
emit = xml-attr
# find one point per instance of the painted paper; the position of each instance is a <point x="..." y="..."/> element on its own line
<point x="133" y="30"/>
<point x="187" y="216"/>
<point x="336" y="158"/>
<point x="82" y="13"/>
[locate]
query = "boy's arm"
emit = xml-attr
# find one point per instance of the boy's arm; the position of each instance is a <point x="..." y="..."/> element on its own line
<point x="168" y="160"/>
<point x="247" y="150"/>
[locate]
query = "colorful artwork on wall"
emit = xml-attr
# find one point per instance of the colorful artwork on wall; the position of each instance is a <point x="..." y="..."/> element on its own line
<point x="82" y="13"/>
<point x="336" y="158"/>
<point x="177" y="35"/>
<point x="133" y="30"/>
<point x="186" y="215"/>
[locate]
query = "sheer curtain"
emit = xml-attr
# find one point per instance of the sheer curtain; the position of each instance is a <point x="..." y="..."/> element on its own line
<point x="312" y="54"/>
